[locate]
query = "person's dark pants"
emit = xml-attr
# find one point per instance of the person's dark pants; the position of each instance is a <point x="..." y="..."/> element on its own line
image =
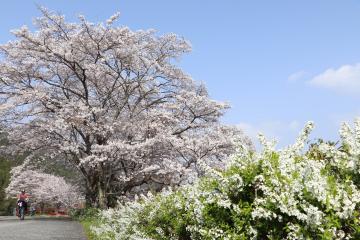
<point x="24" y="204"/>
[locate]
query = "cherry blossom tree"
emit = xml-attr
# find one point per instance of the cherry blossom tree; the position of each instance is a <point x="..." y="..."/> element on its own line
<point x="110" y="102"/>
<point x="43" y="187"/>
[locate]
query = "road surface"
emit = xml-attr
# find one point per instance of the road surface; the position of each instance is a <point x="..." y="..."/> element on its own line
<point x="12" y="228"/>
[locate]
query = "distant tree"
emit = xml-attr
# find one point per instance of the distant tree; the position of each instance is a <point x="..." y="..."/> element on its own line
<point x="44" y="188"/>
<point x="110" y="102"/>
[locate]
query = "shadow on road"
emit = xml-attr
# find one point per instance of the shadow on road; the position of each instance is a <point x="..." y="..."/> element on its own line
<point x="35" y="218"/>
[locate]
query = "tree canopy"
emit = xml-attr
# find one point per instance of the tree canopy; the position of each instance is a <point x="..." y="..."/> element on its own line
<point x="110" y="102"/>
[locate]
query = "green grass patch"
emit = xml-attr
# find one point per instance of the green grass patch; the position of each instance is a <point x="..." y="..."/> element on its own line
<point x="88" y="217"/>
<point x="87" y="224"/>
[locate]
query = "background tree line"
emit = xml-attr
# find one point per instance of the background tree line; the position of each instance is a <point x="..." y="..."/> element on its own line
<point x="6" y="163"/>
<point x="5" y="204"/>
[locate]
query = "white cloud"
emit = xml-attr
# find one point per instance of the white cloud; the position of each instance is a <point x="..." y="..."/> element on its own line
<point x="297" y="76"/>
<point x="345" y="79"/>
<point x="284" y="132"/>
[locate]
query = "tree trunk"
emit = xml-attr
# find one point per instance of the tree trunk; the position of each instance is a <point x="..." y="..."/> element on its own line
<point x="90" y="196"/>
<point x="96" y="195"/>
<point x="101" y="196"/>
<point x="42" y="206"/>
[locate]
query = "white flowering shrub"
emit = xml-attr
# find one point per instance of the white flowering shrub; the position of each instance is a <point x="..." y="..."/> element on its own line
<point x="284" y="194"/>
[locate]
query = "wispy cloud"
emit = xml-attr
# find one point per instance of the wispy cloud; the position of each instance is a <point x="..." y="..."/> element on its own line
<point x="345" y="79"/>
<point x="297" y="76"/>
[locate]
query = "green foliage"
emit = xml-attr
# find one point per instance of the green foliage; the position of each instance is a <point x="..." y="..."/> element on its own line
<point x="6" y="163"/>
<point x="84" y="213"/>
<point x="6" y="205"/>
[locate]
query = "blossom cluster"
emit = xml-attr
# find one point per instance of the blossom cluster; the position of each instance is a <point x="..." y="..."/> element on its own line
<point x="44" y="188"/>
<point x="272" y="194"/>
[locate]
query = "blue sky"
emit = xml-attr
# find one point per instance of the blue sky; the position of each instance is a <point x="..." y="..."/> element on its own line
<point x="278" y="63"/>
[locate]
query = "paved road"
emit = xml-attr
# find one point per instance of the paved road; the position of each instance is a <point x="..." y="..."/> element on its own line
<point x="40" y="229"/>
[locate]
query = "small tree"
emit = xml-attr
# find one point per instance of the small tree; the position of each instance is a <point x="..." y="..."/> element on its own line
<point x="111" y="102"/>
<point x="44" y="188"/>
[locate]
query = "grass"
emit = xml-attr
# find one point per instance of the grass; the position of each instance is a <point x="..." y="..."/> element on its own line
<point x="87" y="224"/>
<point x="88" y="217"/>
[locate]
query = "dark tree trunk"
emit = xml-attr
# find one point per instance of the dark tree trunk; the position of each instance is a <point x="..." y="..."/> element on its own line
<point x="96" y="193"/>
